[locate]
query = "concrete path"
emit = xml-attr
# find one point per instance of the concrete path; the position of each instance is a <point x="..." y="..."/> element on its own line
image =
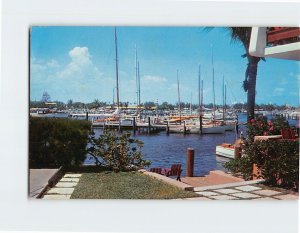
<point x="38" y="180"/>
<point x="243" y="191"/>
<point x="64" y="188"/>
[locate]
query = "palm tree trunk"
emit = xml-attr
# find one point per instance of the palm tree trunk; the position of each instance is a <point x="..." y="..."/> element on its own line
<point x="252" y="69"/>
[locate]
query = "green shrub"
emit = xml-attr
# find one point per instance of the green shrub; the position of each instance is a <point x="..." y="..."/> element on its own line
<point x="57" y="142"/>
<point x="119" y="152"/>
<point x="277" y="160"/>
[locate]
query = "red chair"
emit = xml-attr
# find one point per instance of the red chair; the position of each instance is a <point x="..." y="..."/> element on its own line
<point x="174" y="171"/>
<point x="156" y="170"/>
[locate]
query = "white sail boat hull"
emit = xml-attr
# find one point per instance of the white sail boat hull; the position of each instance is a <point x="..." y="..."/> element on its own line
<point x="225" y="151"/>
<point x="213" y="130"/>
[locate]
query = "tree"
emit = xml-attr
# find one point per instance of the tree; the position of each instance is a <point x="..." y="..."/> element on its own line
<point x="70" y="103"/>
<point x="46" y="97"/>
<point x="243" y="34"/>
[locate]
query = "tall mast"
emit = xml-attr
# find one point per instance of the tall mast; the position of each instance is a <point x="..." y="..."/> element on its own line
<point x="117" y="77"/>
<point x="136" y="78"/>
<point x="179" y="105"/>
<point x="139" y="85"/>
<point x="191" y="103"/>
<point x="223" y="93"/>
<point x="199" y="88"/>
<point x="213" y="75"/>
<point x="201" y="92"/>
<point x="113" y="96"/>
<point x="225" y="107"/>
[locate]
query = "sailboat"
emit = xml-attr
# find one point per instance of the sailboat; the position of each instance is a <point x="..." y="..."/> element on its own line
<point x="115" y="116"/>
<point x="211" y="127"/>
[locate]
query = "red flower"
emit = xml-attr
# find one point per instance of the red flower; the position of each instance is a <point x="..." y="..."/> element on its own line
<point x="265" y="133"/>
<point x="270" y="123"/>
<point x="272" y="128"/>
<point x="252" y="120"/>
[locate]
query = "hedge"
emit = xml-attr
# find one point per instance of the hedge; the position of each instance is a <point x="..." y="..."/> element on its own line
<point x="57" y="142"/>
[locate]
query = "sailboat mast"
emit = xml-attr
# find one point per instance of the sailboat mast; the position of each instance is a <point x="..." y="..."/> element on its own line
<point x="201" y="94"/>
<point x="191" y="103"/>
<point x="117" y="74"/>
<point x="139" y="85"/>
<point x="199" y="88"/>
<point x="213" y="75"/>
<point x="136" y="78"/>
<point x="179" y="104"/>
<point x="225" y="107"/>
<point x="223" y="93"/>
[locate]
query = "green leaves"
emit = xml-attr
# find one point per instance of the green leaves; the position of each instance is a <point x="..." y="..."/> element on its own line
<point x="57" y="142"/>
<point x="278" y="161"/>
<point x="119" y="152"/>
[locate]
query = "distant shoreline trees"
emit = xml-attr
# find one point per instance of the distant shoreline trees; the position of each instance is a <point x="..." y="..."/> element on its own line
<point x="150" y="104"/>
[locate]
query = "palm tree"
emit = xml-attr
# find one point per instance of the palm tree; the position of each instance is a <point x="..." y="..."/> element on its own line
<point x="242" y="35"/>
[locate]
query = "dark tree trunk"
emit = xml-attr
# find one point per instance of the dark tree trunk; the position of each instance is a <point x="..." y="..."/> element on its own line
<point x="252" y="73"/>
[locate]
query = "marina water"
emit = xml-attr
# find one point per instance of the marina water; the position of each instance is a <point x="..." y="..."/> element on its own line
<point x="164" y="150"/>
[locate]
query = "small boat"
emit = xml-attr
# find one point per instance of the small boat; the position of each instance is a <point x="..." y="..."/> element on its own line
<point x="213" y="129"/>
<point x="225" y="150"/>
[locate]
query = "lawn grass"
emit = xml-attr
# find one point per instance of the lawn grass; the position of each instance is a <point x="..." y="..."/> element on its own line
<point x="125" y="185"/>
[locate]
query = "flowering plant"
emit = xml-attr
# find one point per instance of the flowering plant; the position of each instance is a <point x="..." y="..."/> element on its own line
<point x="260" y="126"/>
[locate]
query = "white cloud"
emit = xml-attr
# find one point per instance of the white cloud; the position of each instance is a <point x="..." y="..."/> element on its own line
<point x="156" y="79"/>
<point x="81" y="65"/>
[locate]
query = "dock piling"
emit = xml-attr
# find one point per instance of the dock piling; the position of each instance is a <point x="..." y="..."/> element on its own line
<point x="149" y="125"/>
<point x="168" y="129"/>
<point x="134" y="125"/>
<point x="190" y="162"/>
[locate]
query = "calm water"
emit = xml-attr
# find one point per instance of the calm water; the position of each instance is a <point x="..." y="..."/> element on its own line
<point x="164" y="150"/>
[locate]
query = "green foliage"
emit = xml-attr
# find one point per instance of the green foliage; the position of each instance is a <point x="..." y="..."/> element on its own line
<point x="278" y="161"/>
<point x="241" y="167"/>
<point x="118" y="152"/>
<point x="57" y="142"/>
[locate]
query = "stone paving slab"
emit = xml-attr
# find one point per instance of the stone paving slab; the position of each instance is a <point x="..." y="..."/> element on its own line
<point x="266" y="192"/>
<point x="247" y="188"/>
<point x="72" y="175"/>
<point x="207" y="194"/>
<point x="70" y="179"/>
<point x="66" y="184"/>
<point x="223" y="197"/>
<point x="287" y="197"/>
<point x="245" y="195"/>
<point x="61" y="191"/>
<point x="227" y="191"/>
<point x="265" y="199"/>
<point x="57" y="197"/>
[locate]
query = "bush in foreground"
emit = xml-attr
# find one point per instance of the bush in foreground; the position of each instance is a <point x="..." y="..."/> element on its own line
<point x="57" y="142"/>
<point x="118" y="152"/>
<point x="277" y="160"/>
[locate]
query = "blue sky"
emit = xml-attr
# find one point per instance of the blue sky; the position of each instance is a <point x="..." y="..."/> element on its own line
<point x="78" y="63"/>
